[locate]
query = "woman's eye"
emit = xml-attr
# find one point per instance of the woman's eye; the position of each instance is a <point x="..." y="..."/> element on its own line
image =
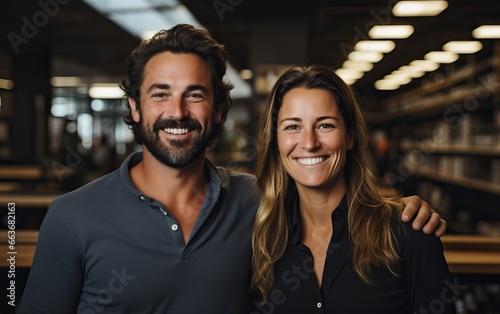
<point x="291" y="127"/>
<point x="326" y="126"/>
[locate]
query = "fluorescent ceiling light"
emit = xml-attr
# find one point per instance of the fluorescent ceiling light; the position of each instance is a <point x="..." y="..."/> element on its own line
<point x="463" y="46"/>
<point x="424" y="65"/>
<point x="105" y="91"/>
<point x="347" y="75"/>
<point x="416" y="74"/>
<point x="357" y="65"/>
<point x="410" y="74"/>
<point x="383" y="46"/>
<point x="487" y="31"/>
<point x="397" y="79"/>
<point x="386" y="85"/>
<point x="410" y="71"/>
<point x="365" y="56"/>
<point x="406" y="68"/>
<point x="390" y="31"/>
<point x="419" y="8"/>
<point x="441" y="56"/>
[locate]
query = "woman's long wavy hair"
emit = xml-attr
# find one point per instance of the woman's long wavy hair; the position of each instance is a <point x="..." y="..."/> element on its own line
<point x="369" y="214"/>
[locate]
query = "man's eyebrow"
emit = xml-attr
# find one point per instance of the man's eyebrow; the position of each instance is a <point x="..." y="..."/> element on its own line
<point x="202" y="88"/>
<point x="188" y="88"/>
<point x="158" y="86"/>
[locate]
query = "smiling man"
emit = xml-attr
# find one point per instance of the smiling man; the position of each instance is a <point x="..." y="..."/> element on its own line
<point x="168" y="232"/>
<point x="177" y="94"/>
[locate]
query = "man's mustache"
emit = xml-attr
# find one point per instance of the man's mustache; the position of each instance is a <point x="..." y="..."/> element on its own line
<point x="190" y="124"/>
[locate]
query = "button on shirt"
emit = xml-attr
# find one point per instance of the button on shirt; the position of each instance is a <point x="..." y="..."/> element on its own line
<point x="417" y="287"/>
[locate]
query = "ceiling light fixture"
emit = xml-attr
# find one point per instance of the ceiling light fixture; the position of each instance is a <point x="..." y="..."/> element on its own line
<point x="105" y="91"/>
<point x="441" y="56"/>
<point x="390" y="31"/>
<point x="397" y="79"/>
<point x="357" y="65"/>
<point x="419" y="8"/>
<point x="487" y="31"/>
<point x="386" y="85"/>
<point x="383" y="46"/>
<point x="409" y="71"/>
<point x="365" y="56"/>
<point x="424" y="65"/>
<point x="348" y="75"/>
<point x="463" y="46"/>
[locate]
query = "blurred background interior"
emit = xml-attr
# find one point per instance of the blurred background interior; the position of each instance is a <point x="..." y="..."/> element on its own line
<point x="427" y="74"/>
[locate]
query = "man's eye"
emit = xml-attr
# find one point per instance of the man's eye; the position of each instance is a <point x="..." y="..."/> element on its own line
<point x="160" y="95"/>
<point x="195" y="96"/>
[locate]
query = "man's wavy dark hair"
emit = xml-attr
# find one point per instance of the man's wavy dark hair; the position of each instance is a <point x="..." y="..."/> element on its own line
<point x="182" y="38"/>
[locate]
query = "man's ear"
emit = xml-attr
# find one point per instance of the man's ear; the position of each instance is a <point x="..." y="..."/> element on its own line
<point x="217" y="117"/>
<point x="136" y="115"/>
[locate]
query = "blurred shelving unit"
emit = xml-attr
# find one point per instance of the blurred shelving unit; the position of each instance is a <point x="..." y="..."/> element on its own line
<point x="445" y="147"/>
<point x="447" y="143"/>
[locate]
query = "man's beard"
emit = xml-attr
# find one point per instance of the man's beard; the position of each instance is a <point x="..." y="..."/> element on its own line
<point x="180" y="152"/>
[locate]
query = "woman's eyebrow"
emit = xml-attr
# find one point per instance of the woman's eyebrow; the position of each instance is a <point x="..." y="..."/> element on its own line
<point x="325" y="118"/>
<point x="290" y="119"/>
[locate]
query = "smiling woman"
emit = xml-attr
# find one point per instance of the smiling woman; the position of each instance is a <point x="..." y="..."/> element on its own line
<point x="320" y="203"/>
<point x="312" y="138"/>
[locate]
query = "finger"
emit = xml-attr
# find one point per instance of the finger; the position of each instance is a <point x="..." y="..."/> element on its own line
<point x="425" y="212"/>
<point x="412" y="205"/>
<point x="431" y="224"/>
<point x="441" y="228"/>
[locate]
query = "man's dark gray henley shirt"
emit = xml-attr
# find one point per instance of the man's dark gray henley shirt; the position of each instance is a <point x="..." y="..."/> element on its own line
<point x="108" y="248"/>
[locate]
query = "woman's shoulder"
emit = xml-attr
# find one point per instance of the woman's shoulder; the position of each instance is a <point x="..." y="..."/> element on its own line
<point x="408" y="239"/>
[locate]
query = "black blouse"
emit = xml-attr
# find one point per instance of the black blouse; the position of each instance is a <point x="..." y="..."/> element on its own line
<point x="422" y="283"/>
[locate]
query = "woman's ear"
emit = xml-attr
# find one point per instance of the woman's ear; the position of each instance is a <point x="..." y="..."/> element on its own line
<point x="136" y="115"/>
<point x="350" y="139"/>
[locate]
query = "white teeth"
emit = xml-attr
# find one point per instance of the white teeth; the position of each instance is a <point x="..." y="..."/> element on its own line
<point x="311" y="161"/>
<point x="176" y="131"/>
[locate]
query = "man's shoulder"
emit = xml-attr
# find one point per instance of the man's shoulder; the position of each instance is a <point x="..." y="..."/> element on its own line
<point x="93" y="191"/>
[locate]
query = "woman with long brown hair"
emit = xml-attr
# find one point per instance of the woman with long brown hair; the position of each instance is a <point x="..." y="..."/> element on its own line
<point x="324" y="239"/>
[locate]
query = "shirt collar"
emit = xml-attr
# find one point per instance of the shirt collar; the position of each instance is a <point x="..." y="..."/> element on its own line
<point x="295" y="226"/>
<point x="218" y="177"/>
